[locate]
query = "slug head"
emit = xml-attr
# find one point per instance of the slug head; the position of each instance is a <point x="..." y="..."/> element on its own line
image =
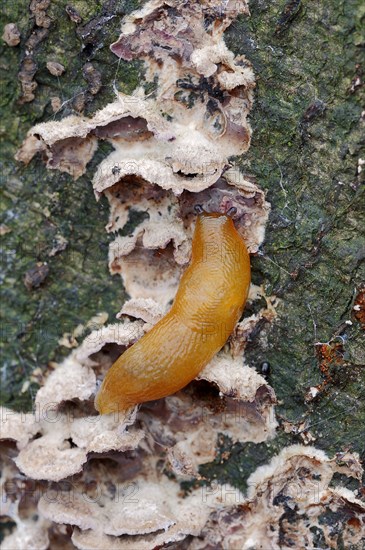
<point x="230" y="211"/>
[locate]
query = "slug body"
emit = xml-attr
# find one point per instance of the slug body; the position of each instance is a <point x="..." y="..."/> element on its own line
<point x="209" y="302"/>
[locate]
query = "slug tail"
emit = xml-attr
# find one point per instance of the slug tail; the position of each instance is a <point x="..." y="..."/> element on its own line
<point x="104" y="405"/>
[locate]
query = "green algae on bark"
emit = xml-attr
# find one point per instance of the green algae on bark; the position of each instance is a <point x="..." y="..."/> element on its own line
<point x="40" y="208"/>
<point x="306" y="143"/>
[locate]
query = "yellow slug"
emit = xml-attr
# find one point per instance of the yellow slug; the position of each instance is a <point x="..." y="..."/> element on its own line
<point x="209" y="302"/>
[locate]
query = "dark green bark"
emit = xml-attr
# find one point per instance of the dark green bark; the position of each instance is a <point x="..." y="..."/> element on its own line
<point x="306" y="144"/>
<point x="305" y="150"/>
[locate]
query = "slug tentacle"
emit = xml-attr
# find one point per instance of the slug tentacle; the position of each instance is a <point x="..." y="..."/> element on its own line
<point x="198" y="209"/>
<point x="209" y="302"/>
<point x="232" y="211"/>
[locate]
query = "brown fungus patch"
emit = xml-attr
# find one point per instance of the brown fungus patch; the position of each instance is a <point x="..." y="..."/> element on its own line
<point x="11" y="34"/>
<point x="29" y="67"/>
<point x="127" y="128"/>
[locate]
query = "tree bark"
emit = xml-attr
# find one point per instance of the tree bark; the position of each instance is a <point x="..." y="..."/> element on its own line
<point x="305" y="153"/>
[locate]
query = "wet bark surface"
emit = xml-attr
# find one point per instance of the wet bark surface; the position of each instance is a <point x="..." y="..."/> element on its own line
<point x="305" y="152"/>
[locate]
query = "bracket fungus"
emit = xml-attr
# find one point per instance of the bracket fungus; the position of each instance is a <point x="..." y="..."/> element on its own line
<point x="113" y="481"/>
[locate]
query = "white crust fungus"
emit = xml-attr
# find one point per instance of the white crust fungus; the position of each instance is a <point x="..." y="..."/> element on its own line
<point x="115" y="478"/>
<point x="289" y="504"/>
<point x="177" y="140"/>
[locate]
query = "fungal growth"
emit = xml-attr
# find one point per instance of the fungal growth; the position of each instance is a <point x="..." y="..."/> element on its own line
<point x="172" y="151"/>
<point x="207" y="306"/>
<point x="119" y="475"/>
<point x="171" y="147"/>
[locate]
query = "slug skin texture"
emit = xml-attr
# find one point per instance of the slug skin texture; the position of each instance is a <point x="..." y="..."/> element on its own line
<point x="209" y="302"/>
